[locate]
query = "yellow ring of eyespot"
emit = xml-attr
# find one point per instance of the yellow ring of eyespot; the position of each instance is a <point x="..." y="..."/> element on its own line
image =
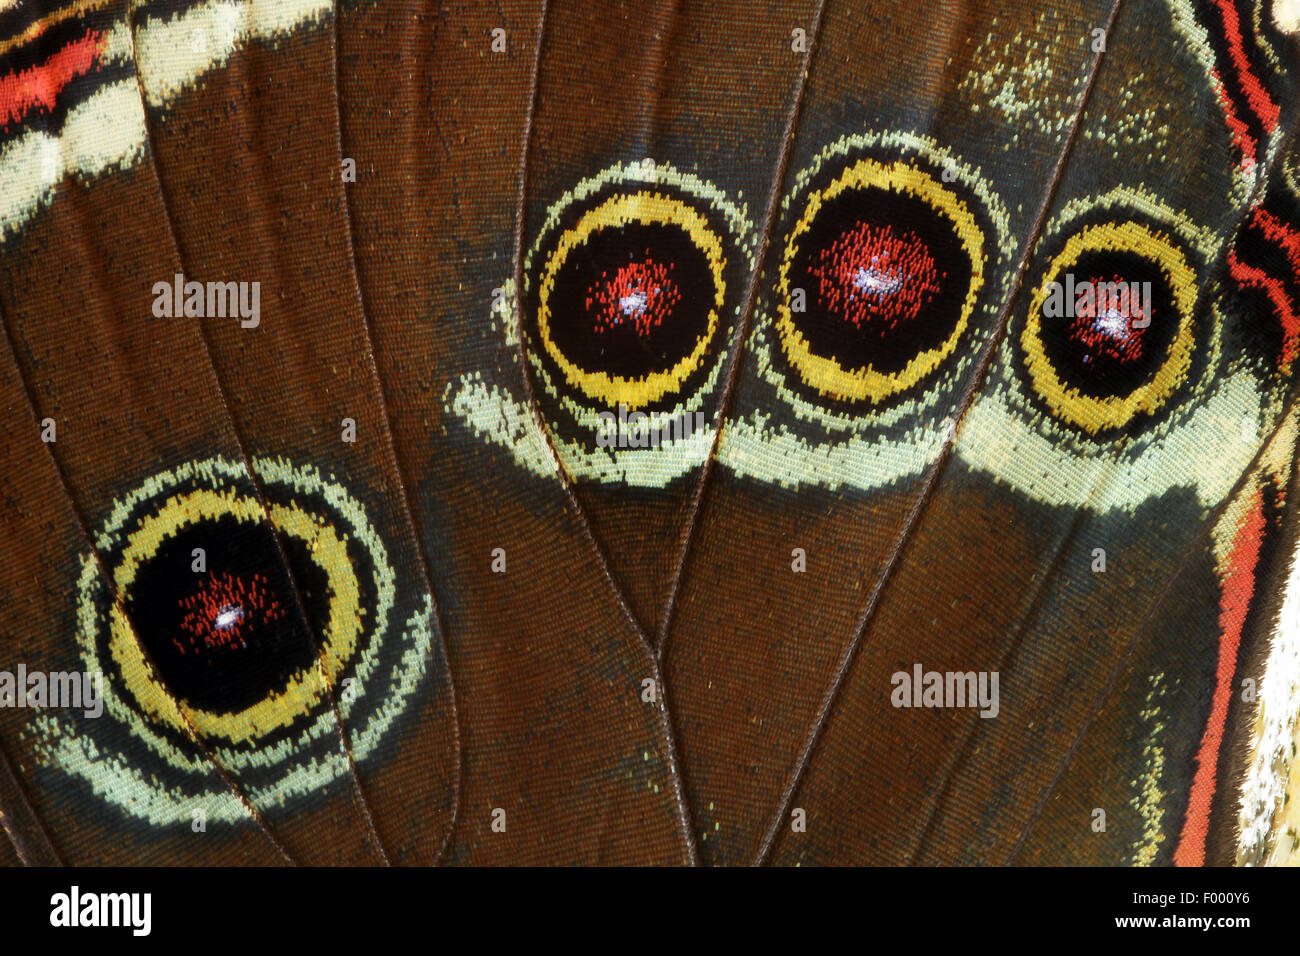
<point x="827" y="375"/>
<point x="1086" y="411"/>
<point x="641" y="207"/>
<point x="306" y="689"/>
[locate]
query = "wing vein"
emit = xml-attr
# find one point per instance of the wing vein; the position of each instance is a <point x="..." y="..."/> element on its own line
<point x="1197" y="543"/>
<point x="684" y="824"/>
<point x="394" y="461"/>
<point x="20" y="822"/>
<point x="359" y="799"/>
<point x="935" y="472"/>
<point x="741" y="334"/>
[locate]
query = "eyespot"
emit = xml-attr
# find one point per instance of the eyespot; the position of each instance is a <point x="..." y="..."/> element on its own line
<point x="228" y="643"/>
<point x="1098" y="409"/>
<point x="888" y="271"/>
<point x="1111" y="326"/>
<point x="632" y="290"/>
<point x="631" y="287"/>
<point x="627" y="300"/>
<point x="890" y="262"/>
<point x="887" y="275"/>
<point x="212" y="640"/>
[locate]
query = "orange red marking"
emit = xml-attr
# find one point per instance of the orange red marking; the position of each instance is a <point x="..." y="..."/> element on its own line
<point x="1238" y="587"/>
<point x="38" y="87"/>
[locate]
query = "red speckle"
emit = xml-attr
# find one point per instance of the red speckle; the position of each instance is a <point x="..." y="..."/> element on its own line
<point x="642" y="292"/>
<point x="875" y="274"/>
<point x="1114" y="324"/>
<point x="224" y="611"/>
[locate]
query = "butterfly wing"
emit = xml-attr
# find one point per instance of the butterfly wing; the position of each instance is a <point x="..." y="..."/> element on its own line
<point x="557" y="691"/>
<point x="239" y="566"/>
<point x="685" y="382"/>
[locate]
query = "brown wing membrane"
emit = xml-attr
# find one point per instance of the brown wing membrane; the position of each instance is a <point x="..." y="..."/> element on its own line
<point x="252" y="175"/>
<point x="90" y="363"/>
<point x="549" y="670"/>
<point x="335" y="335"/>
<point x="992" y="584"/>
<point x="747" y="687"/>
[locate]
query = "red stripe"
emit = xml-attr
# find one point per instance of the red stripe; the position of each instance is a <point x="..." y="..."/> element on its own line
<point x="1261" y="104"/>
<point x="37" y="87"/>
<point x="1271" y="286"/>
<point x="1281" y="232"/>
<point x="1240" y="132"/>
<point x="1238" y="574"/>
<point x="1287" y="238"/>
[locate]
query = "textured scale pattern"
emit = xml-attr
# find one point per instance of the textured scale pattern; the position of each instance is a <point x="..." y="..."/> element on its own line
<point x="649" y="433"/>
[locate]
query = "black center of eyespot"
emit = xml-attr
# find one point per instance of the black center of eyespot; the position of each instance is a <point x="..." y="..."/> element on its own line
<point x="631" y="299"/>
<point x="1118" y="323"/>
<point x="885" y="278"/>
<point x="229" y="636"/>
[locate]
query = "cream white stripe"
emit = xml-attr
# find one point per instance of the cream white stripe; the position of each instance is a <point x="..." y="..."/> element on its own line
<point x="107" y="131"/>
<point x="1262" y="795"/>
<point x="172" y="53"/>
